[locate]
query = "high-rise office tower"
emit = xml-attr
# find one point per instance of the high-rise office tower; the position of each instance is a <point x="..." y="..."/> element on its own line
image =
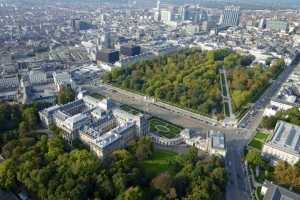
<point x="231" y="16"/>
<point x="107" y="40"/>
<point x="157" y="12"/>
<point x="184" y="12"/>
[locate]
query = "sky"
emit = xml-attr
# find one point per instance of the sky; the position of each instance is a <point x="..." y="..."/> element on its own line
<point x="248" y="4"/>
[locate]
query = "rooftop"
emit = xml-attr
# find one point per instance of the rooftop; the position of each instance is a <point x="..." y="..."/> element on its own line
<point x="107" y="139"/>
<point x="218" y="140"/>
<point x="76" y="118"/>
<point x="286" y="137"/>
<point x="108" y="50"/>
<point x="113" y="135"/>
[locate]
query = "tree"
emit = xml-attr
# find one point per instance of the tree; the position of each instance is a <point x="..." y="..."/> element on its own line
<point x="55" y="148"/>
<point x="254" y="158"/>
<point x="172" y="193"/>
<point x="269" y="122"/>
<point x="30" y="117"/>
<point x="247" y="60"/>
<point x="120" y="182"/>
<point x="133" y="193"/>
<point x="287" y="175"/>
<point x="181" y="184"/>
<point x="105" y="186"/>
<point x="10" y="116"/>
<point x="144" y="148"/>
<point x="121" y="160"/>
<point x="162" y="182"/>
<point x="191" y="157"/>
<point x="7" y="174"/>
<point x="66" y="94"/>
<point x="219" y="176"/>
<point x="23" y="129"/>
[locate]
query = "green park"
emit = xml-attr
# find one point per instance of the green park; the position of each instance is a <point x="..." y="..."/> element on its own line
<point x="190" y="79"/>
<point x="159" y="162"/>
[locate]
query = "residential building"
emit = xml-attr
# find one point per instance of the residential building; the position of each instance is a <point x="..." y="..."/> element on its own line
<point x="9" y="87"/>
<point x="37" y="88"/>
<point x="279" y="26"/>
<point x="284" y="144"/>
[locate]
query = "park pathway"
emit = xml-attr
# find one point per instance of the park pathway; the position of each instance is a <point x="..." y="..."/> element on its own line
<point x="228" y="111"/>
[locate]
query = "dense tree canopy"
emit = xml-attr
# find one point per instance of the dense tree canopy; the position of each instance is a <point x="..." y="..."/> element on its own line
<point x="48" y="169"/>
<point x="10" y="116"/>
<point x="17" y="119"/>
<point x="190" y="78"/>
<point x="66" y="95"/>
<point x="254" y="158"/>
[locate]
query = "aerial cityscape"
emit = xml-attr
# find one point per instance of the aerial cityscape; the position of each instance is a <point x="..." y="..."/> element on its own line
<point x="149" y="100"/>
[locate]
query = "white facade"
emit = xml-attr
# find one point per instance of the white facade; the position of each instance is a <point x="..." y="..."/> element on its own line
<point x="95" y="124"/>
<point x="118" y="137"/>
<point x="37" y="77"/>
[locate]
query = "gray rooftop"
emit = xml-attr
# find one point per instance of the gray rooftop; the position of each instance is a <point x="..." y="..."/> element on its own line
<point x="286" y="137"/>
<point x="276" y="192"/>
<point x="112" y="136"/>
<point x="218" y="140"/>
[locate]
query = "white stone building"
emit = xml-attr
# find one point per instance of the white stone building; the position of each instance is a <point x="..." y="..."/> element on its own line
<point x="284" y="144"/>
<point x="118" y="137"/>
<point x="98" y="124"/>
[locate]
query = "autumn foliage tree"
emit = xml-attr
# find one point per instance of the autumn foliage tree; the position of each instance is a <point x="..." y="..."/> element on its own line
<point x="287" y="175"/>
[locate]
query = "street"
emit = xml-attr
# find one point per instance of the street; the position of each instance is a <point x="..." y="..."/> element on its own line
<point x="254" y="116"/>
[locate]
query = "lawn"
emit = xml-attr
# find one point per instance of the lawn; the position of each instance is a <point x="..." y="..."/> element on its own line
<point x="256" y="144"/>
<point x="130" y="109"/>
<point x="159" y="162"/>
<point x="259" y="140"/>
<point x="164" y="128"/>
<point x="261" y="136"/>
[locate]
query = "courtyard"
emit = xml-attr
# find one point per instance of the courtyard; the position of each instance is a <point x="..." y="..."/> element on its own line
<point x="164" y="128"/>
